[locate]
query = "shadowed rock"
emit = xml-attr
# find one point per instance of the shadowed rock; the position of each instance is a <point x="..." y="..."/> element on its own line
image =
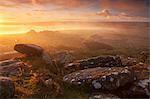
<point x="7" y="88"/>
<point x="29" y="49"/>
<point x="101" y="78"/>
<point x="100" y="61"/>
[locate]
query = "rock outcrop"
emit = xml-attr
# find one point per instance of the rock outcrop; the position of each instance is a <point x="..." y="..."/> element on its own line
<point x="33" y="50"/>
<point x="100" y="61"/>
<point x="101" y="78"/>
<point x="29" y="49"/>
<point x="7" y="88"/>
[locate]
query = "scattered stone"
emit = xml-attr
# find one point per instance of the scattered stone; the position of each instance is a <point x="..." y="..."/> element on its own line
<point x="7" y="88"/>
<point x="100" y="95"/>
<point x="29" y="49"/>
<point x="101" y="78"/>
<point x="49" y="82"/>
<point x="100" y="61"/>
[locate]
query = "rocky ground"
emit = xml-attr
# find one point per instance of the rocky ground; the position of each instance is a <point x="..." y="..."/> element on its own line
<point x="36" y="74"/>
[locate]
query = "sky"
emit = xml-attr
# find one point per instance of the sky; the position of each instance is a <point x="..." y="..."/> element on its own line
<point x="48" y="12"/>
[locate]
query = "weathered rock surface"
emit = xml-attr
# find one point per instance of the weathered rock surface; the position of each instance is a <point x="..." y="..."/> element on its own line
<point x="29" y="49"/>
<point x="100" y="61"/>
<point x="100" y="95"/>
<point x="101" y="78"/>
<point x="10" y="69"/>
<point x="7" y="88"/>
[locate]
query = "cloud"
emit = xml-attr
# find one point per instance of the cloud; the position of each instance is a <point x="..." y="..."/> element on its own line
<point x="104" y="13"/>
<point x="123" y="14"/>
<point x="107" y="15"/>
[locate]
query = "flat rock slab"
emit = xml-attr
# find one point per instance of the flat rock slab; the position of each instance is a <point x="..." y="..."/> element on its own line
<point x="101" y="78"/>
<point x="29" y="49"/>
<point x="7" y="88"/>
<point x="100" y="61"/>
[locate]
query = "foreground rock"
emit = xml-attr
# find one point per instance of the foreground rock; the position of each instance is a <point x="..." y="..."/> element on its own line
<point x="101" y="78"/>
<point x="7" y="88"/>
<point x="9" y="68"/>
<point x="29" y="49"/>
<point x="100" y="61"/>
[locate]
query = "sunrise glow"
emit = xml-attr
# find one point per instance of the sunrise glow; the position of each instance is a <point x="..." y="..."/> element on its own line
<point x="22" y="15"/>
